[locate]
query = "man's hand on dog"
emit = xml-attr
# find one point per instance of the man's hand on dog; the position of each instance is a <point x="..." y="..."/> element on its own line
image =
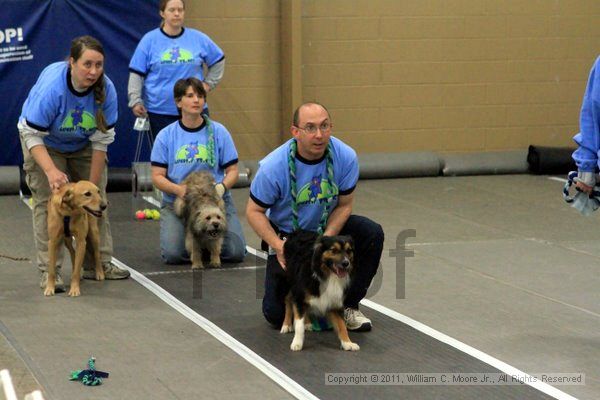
<point x="56" y="178"/>
<point x="280" y="256"/>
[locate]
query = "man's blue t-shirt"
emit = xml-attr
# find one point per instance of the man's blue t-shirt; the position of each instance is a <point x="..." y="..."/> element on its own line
<point x="270" y="187"/>
<point x="162" y="60"/>
<point x="54" y="106"/>
<point x="182" y="150"/>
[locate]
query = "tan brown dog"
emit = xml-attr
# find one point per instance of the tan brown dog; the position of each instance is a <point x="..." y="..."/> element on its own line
<point x="204" y="216"/>
<point x="82" y="203"/>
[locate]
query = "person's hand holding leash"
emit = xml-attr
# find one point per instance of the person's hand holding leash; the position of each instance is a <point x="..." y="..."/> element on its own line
<point x="582" y="187"/>
<point x="139" y="110"/>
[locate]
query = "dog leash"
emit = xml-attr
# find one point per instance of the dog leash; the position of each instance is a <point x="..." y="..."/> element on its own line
<point x="66" y="225"/>
<point x="142" y="134"/>
<point x="210" y="144"/>
<point x="14" y="258"/>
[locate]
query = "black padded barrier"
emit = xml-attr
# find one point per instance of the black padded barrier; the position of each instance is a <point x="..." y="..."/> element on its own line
<point x="550" y="160"/>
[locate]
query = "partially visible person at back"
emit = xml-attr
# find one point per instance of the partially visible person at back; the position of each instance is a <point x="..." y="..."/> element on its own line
<point x="165" y="55"/>
<point x="65" y="127"/>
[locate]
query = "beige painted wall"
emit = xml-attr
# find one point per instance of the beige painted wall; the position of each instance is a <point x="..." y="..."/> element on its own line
<point x="405" y="75"/>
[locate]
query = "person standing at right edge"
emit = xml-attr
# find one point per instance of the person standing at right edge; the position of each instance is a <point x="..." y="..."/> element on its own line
<point x="588" y="138"/>
<point x="165" y="55"/>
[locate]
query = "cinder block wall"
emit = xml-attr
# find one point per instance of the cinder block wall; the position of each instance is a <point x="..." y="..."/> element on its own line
<point x="248" y="100"/>
<point x="405" y="75"/>
<point x="450" y="75"/>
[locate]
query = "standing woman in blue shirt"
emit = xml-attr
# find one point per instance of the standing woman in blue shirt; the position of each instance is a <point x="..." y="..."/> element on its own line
<point x="165" y="55"/>
<point x="65" y="126"/>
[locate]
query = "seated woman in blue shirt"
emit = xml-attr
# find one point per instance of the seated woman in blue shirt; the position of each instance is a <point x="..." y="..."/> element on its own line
<point x="194" y="143"/>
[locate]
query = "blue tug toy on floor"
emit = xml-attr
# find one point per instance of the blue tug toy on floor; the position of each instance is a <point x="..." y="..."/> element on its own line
<point x="90" y="376"/>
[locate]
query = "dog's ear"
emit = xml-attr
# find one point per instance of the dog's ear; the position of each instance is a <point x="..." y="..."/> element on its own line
<point x="348" y="239"/>
<point x="68" y="197"/>
<point x="318" y="244"/>
<point x="317" y="251"/>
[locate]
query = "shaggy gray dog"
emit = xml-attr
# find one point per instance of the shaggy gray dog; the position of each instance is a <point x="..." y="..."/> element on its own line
<point x="203" y="213"/>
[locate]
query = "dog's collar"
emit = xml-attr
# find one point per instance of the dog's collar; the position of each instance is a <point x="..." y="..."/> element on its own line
<point x="66" y="224"/>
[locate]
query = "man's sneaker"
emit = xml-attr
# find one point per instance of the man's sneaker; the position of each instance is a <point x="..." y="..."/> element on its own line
<point x="356" y="321"/>
<point x="111" y="272"/>
<point x="59" y="285"/>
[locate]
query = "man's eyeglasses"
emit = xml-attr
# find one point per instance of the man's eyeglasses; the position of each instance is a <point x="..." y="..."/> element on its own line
<point x="312" y="129"/>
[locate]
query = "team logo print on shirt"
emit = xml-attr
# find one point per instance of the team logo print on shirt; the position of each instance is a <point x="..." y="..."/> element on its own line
<point x="78" y="119"/>
<point x="192" y="152"/>
<point x="176" y="55"/>
<point x="318" y="190"/>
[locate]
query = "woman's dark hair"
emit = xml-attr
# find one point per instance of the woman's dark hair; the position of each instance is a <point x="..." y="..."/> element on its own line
<point x="162" y="6"/>
<point x="78" y="46"/>
<point x="182" y="85"/>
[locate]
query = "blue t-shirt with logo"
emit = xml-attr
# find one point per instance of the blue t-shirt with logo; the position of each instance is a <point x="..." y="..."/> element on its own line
<point x="182" y="150"/>
<point x="270" y="187"/>
<point x="162" y="60"/>
<point x="54" y="106"/>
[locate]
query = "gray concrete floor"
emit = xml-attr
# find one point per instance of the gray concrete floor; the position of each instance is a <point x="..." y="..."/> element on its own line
<point x="500" y="263"/>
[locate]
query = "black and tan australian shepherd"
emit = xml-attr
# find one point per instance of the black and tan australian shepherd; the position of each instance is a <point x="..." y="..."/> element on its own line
<point x="319" y="270"/>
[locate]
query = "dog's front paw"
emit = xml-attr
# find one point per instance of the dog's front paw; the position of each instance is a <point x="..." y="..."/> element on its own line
<point x="74" y="292"/>
<point x="296" y="344"/>
<point x="214" y="265"/>
<point x="49" y="291"/>
<point x="286" y="329"/>
<point x="100" y="275"/>
<point x="197" y="266"/>
<point x="349" y="346"/>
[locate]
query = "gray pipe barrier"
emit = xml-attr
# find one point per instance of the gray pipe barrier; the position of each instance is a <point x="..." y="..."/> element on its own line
<point x="492" y="163"/>
<point x="10" y="180"/>
<point x="398" y="165"/>
<point x="372" y="166"/>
